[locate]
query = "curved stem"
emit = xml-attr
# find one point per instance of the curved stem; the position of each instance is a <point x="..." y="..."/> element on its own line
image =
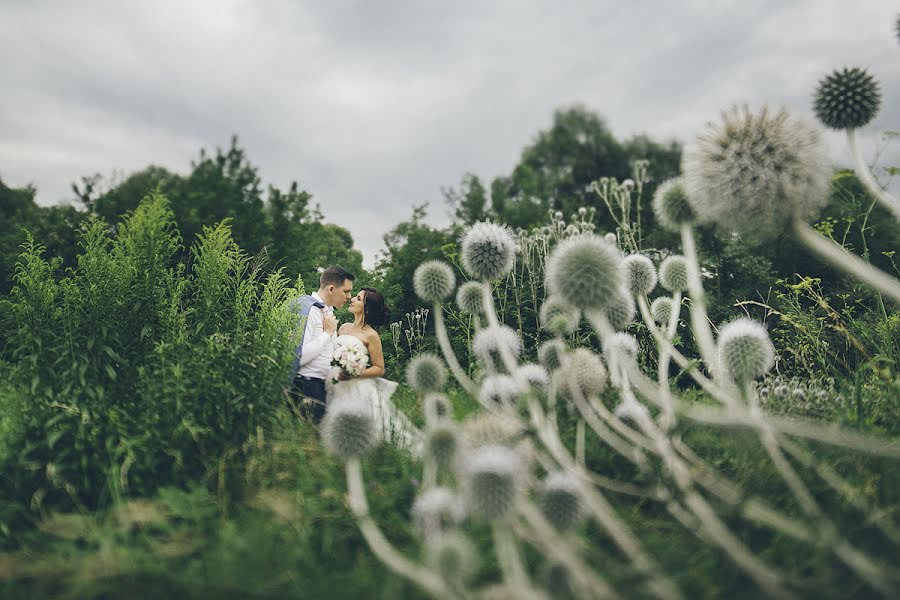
<point x="865" y="177"/>
<point x="447" y="350"/>
<point x="851" y="264"/>
<point x="699" y="319"/>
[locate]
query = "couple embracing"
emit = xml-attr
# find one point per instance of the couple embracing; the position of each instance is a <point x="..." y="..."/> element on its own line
<point x="318" y="384"/>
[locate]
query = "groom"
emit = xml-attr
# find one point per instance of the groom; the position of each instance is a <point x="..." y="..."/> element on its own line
<point x="335" y="287"/>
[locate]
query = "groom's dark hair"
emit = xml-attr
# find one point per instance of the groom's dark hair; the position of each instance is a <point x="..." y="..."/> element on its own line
<point x="335" y="275"/>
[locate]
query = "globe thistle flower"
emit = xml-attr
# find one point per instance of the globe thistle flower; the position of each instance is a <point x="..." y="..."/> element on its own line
<point x="673" y="273"/>
<point x="470" y="297"/>
<point x="560" y="500"/>
<point x="499" y="390"/>
<point x="559" y="317"/>
<point x="640" y="274"/>
<point x="671" y="206"/>
<point x="620" y="312"/>
<point x="532" y="375"/>
<point x="426" y="373"/>
<point x="754" y="173"/>
<point x="661" y="309"/>
<point x="847" y="99"/>
<point x="436" y="509"/>
<point x="491" y="428"/>
<point x="584" y="372"/>
<point x="584" y="271"/>
<point x="488" y="250"/>
<point x="453" y="556"/>
<point x="442" y="443"/>
<point x="489" y="341"/>
<point x="433" y="281"/>
<point x="611" y="239"/>
<point x="348" y="429"/>
<point x="623" y="343"/>
<point x="631" y="413"/>
<point x="552" y="354"/>
<point x="745" y="349"/>
<point x="491" y="477"/>
<point x="436" y="407"/>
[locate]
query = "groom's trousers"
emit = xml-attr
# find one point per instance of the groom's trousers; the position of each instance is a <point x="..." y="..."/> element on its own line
<point x="309" y="393"/>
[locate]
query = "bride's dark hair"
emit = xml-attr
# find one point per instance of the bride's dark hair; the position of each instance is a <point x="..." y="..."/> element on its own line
<point x="375" y="311"/>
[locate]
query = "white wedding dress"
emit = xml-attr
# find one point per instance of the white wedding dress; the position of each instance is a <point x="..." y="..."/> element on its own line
<point x="391" y="425"/>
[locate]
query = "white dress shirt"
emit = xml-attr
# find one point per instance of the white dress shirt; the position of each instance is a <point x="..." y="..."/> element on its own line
<point x="318" y="345"/>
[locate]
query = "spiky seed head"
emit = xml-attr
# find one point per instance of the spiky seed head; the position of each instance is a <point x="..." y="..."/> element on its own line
<point x="499" y="390"/>
<point x="532" y="375"/>
<point x="453" y="556"/>
<point x="584" y="372"/>
<point x="585" y="272"/>
<point x="673" y="273"/>
<point x="348" y="429"/>
<point x="631" y="413"/>
<point x="426" y="373"/>
<point x="436" y="407"/>
<point x="661" y="309"/>
<point x="491" y="477"/>
<point x="620" y="312"/>
<point x="558" y="317"/>
<point x="610" y="238"/>
<point x="624" y="343"/>
<point x="560" y="500"/>
<point x="798" y="394"/>
<point x="433" y="281"/>
<point x="442" y="443"/>
<point x="552" y="354"/>
<point x="470" y="297"/>
<point x="640" y="274"/>
<point x="436" y="509"/>
<point x="483" y="428"/>
<point x="488" y="250"/>
<point x="745" y="349"/>
<point x="488" y="342"/>
<point x="780" y="391"/>
<point x="847" y="99"/>
<point x="754" y="173"/>
<point x="671" y="206"/>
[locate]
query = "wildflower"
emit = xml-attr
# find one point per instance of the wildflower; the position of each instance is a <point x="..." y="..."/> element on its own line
<point x="584" y="271"/>
<point x="348" y="429"/>
<point x="671" y="206"/>
<point x="491" y="479"/>
<point x="436" y="407"/>
<point x="560" y="500"/>
<point x="552" y="354"/>
<point x="631" y="413"/>
<point x="452" y="555"/>
<point x="620" y="312"/>
<point x="532" y="375"/>
<point x="673" y="273"/>
<point x="470" y="297"/>
<point x="491" y="428"/>
<point x="559" y="317"/>
<point x="661" y="309"/>
<point x="488" y="250"/>
<point x="490" y="340"/>
<point x="640" y="274"/>
<point x="584" y="372"/>
<point x="745" y="350"/>
<point x="847" y="99"/>
<point x="442" y="443"/>
<point x="433" y="281"/>
<point x="437" y="508"/>
<point x="498" y="390"/>
<point x="623" y="343"/>
<point x="426" y="373"/>
<point x="754" y="173"/>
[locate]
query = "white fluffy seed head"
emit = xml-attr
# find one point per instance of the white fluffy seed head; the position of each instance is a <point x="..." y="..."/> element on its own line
<point x="491" y="477"/>
<point x="745" y="349"/>
<point x="453" y="556"/>
<point x="442" y="443"/>
<point x="585" y="272"/>
<point x="436" y="407"/>
<point x="552" y="354"/>
<point x="348" y="429"/>
<point x="487" y="343"/>
<point x="470" y="297"/>
<point x="623" y="343"/>
<point x="483" y="428"/>
<point x="671" y="206"/>
<point x="631" y="413"/>
<point x="584" y="372"/>
<point x="488" y="250"/>
<point x="437" y="508"/>
<point x="620" y="312"/>
<point x="560" y="500"/>
<point x="433" y="281"/>
<point x="499" y="390"/>
<point x="753" y="173"/>
<point x="640" y="274"/>
<point x="673" y="273"/>
<point x="532" y="375"/>
<point x="559" y="317"/>
<point x="661" y="309"/>
<point x="426" y="373"/>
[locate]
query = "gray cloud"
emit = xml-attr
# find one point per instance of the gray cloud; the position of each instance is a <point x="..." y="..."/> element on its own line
<point x="374" y="106"/>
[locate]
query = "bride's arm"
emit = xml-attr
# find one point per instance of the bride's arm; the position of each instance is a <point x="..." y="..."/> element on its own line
<point x="376" y="357"/>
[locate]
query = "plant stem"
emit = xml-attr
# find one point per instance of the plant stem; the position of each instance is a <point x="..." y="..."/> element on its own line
<point x="865" y="177"/>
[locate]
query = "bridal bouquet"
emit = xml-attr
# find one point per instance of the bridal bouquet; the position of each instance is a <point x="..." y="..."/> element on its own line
<point x="350" y="359"/>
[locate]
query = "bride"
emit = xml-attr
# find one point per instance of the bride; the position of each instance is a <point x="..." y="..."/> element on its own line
<point x="369" y="312"/>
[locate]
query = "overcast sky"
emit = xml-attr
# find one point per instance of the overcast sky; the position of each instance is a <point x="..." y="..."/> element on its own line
<point x="373" y="106"/>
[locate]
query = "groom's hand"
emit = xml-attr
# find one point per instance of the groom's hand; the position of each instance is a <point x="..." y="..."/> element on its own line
<point x="329" y="324"/>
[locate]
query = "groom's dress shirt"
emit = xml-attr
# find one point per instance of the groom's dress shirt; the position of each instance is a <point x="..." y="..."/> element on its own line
<point x="318" y="345"/>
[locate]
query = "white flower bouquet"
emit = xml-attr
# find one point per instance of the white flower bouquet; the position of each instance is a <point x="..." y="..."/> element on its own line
<point x="349" y="358"/>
